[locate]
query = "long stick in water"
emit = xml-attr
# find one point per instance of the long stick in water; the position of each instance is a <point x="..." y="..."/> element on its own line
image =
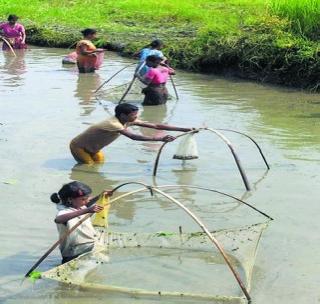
<point x="9" y="45"/>
<point x="55" y="245"/>
<point x="128" y="89"/>
<point x="115" y="74"/>
<point x="68" y="232"/>
<point x="174" y="87"/>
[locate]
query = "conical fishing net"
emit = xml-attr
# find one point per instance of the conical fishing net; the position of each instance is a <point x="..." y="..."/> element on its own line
<point x="187" y="148"/>
<point x="184" y="265"/>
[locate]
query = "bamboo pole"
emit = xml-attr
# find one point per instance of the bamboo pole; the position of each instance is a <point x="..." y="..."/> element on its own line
<point x="55" y="245"/>
<point x="246" y="135"/>
<point x="9" y="45"/>
<point x="68" y="232"/>
<point x="212" y="239"/>
<point x="174" y="87"/>
<point x="234" y="154"/>
<point x="128" y="89"/>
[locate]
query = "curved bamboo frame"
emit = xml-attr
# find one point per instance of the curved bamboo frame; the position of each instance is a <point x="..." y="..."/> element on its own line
<point x="202" y="226"/>
<point x="9" y="45"/>
<point x="153" y="189"/>
<point x="256" y="144"/>
<point x="225" y="139"/>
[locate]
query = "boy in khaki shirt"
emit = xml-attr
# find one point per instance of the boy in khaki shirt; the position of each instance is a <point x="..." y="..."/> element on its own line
<point x="86" y="147"/>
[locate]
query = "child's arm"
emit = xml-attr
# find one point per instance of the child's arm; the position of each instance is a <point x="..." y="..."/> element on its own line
<point x="139" y="137"/>
<point x="63" y="218"/>
<point x="160" y="126"/>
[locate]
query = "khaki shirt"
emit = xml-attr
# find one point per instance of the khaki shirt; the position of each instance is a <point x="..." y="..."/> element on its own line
<point x="80" y="240"/>
<point x="99" y="135"/>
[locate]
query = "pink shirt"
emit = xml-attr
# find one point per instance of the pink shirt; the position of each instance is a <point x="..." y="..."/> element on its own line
<point x="12" y="32"/>
<point x="158" y="75"/>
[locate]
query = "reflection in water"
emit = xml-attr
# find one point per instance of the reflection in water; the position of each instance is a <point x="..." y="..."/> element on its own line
<point x="14" y="66"/>
<point x="86" y="85"/>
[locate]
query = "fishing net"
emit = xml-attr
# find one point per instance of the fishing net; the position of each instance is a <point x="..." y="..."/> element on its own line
<point x="166" y="264"/>
<point x="132" y="91"/>
<point x="187" y="148"/>
<point x="115" y="92"/>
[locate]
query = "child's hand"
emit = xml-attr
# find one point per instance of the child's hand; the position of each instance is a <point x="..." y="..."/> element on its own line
<point x="95" y="208"/>
<point x="168" y="138"/>
<point x="107" y="193"/>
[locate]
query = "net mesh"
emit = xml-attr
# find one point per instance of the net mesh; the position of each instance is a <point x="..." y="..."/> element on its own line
<point x="167" y="264"/>
<point x="115" y="92"/>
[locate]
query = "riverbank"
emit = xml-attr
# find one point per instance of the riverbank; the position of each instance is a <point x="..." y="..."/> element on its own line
<point x="247" y="40"/>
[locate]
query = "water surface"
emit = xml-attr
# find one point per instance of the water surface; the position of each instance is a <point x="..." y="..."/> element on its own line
<point x="44" y="105"/>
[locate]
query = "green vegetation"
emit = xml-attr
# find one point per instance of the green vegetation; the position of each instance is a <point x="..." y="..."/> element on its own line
<point x="304" y="15"/>
<point x="274" y="41"/>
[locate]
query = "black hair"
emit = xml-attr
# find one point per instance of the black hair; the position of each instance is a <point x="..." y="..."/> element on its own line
<point x="156" y="43"/>
<point x="154" y="58"/>
<point x="125" y="108"/>
<point x="88" y="31"/>
<point x="71" y="190"/>
<point x="13" y="18"/>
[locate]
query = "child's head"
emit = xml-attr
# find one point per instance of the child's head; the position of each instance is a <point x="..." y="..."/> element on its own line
<point x="13" y="19"/>
<point x="89" y="33"/>
<point x="74" y="194"/>
<point x="153" y="61"/>
<point x="126" y="112"/>
<point x="156" y="44"/>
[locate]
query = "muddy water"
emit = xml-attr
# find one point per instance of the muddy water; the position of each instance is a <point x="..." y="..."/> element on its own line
<point x="44" y="105"/>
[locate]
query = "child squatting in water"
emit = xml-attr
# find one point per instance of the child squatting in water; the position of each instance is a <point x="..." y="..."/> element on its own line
<point x="73" y="203"/>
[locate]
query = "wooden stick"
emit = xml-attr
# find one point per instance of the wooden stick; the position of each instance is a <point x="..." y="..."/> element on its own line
<point x="67" y="233"/>
<point x="212" y="239"/>
<point x="256" y="144"/>
<point x="174" y="87"/>
<point x="9" y="45"/>
<point x="128" y="89"/>
<point x="226" y="140"/>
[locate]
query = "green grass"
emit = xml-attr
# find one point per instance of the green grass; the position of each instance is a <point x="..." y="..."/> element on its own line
<point x="303" y="14"/>
<point x="136" y="14"/>
<point x="268" y="40"/>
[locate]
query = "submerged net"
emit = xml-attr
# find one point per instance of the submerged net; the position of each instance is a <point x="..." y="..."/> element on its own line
<point x="167" y="264"/>
<point x="115" y="92"/>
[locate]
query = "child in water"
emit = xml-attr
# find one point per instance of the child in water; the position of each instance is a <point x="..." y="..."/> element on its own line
<point x="73" y="203"/>
<point x="86" y="147"/>
<point x="156" y="78"/>
<point x="154" y="48"/>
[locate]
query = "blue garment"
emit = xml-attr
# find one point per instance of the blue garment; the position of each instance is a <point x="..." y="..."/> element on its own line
<point x="142" y="68"/>
<point x="147" y="52"/>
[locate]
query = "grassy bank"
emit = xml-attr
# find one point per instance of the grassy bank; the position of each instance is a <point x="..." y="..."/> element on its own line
<point x="273" y="41"/>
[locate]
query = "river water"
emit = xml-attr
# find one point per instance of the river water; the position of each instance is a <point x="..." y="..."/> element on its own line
<point x="44" y="105"/>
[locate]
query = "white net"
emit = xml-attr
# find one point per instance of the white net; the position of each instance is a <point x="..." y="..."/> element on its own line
<point x="167" y="264"/>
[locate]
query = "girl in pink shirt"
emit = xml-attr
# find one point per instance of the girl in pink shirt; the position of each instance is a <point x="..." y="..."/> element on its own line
<point x="14" y="33"/>
<point x="156" y="92"/>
